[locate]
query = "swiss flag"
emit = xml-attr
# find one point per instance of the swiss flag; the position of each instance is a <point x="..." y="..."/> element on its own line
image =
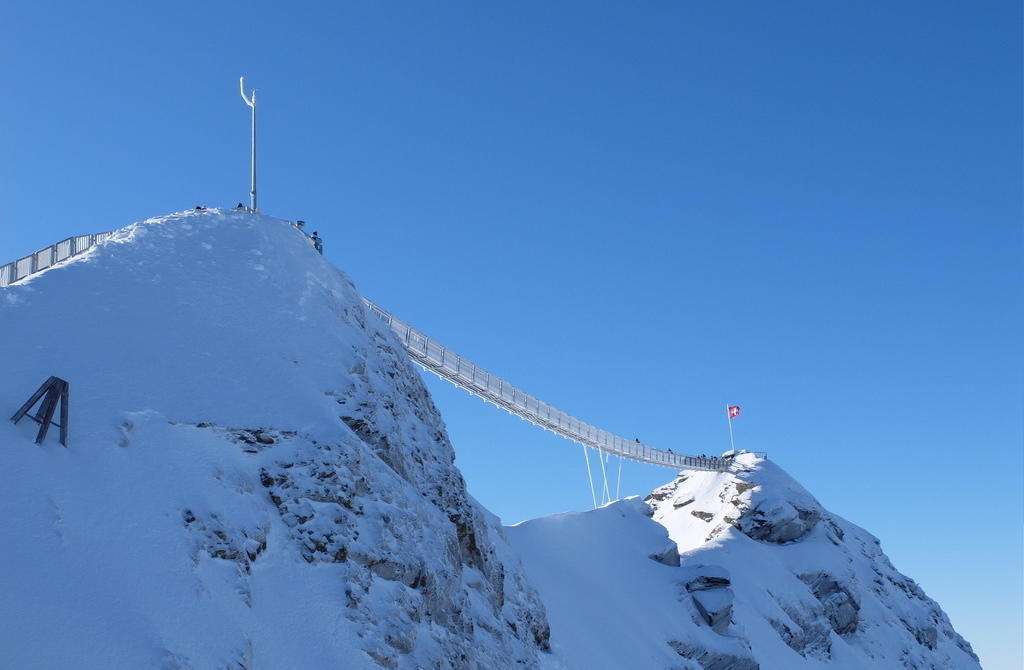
<point x="734" y="411"/>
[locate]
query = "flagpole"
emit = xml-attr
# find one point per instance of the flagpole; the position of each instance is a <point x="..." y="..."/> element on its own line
<point x="251" y="101"/>
<point x="728" y="415"/>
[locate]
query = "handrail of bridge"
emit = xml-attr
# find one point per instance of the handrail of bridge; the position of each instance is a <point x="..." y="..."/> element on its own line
<point x="448" y="365"/>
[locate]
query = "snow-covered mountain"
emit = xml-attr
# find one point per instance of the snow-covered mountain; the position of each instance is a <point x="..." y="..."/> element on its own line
<point x="729" y="571"/>
<point x="256" y="476"/>
<point x="258" y="479"/>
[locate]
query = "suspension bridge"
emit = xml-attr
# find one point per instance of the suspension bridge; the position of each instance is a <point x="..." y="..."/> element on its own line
<point x="450" y="366"/>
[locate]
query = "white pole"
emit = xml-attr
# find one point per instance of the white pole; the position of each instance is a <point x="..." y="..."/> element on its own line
<point x="586" y="457"/>
<point x="606" y="495"/>
<point x="607" y="484"/>
<point x="251" y="101"/>
<point x="728" y="414"/>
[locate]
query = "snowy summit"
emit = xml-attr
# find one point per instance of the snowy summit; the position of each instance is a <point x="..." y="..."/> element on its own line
<point x="257" y="478"/>
<point x="730" y="571"/>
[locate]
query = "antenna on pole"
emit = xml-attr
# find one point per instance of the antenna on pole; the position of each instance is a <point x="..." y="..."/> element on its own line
<point x="251" y="101"/>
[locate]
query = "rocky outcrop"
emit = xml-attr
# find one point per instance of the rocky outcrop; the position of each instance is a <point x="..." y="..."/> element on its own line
<point x="388" y="503"/>
<point x="669" y="556"/>
<point x="837" y="601"/>
<point x="776" y="521"/>
<point x="713" y="660"/>
<point x="707" y="587"/>
<point x="715" y="608"/>
<point x="811" y="576"/>
<point x="804" y="631"/>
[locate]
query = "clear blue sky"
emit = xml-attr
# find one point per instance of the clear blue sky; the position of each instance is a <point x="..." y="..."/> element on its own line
<point x="636" y="211"/>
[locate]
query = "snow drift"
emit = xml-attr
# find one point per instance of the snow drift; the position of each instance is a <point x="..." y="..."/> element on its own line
<point x="256" y="476"/>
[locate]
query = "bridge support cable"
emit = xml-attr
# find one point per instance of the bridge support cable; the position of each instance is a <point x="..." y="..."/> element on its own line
<point x="607" y="462"/>
<point x="618" y="484"/>
<point x="590" y="476"/>
<point x="606" y="496"/>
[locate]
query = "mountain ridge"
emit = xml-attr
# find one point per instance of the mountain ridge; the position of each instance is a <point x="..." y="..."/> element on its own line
<point x="257" y="477"/>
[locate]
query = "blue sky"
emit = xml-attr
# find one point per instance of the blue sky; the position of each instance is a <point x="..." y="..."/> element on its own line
<point x="635" y="211"/>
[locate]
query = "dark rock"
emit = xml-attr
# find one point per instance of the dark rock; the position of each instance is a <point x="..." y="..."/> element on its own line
<point x="669" y="556"/>
<point x="840" y="606"/>
<point x="705" y="582"/>
<point x="715" y="608"/>
<point x="262" y="437"/>
<point x="358" y="426"/>
<point x="809" y="638"/>
<point x="926" y="637"/>
<point x="711" y="596"/>
<point x="703" y="516"/>
<point x="778" y="522"/>
<point x="713" y="660"/>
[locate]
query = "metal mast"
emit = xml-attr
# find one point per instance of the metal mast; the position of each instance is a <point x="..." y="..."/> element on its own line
<point x="251" y="101"/>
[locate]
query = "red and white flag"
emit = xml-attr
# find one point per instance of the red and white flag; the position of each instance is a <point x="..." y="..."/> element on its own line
<point x="734" y="411"/>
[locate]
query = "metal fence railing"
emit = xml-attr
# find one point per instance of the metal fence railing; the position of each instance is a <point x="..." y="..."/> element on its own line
<point x="445" y="363"/>
<point x="463" y="373"/>
<point x="48" y="257"/>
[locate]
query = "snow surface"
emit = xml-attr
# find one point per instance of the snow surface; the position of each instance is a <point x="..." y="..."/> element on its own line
<point x="256" y="476"/>
<point x="609" y="604"/>
<point x="767" y="579"/>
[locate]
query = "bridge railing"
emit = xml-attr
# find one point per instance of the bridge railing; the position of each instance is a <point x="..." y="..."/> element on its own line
<point x="447" y="364"/>
<point x="48" y="257"/>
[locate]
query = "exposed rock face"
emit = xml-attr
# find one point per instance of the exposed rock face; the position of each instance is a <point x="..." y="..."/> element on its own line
<point x="711" y="596"/>
<point x="804" y="632"/>
<point x="408" y="528"/>
<point x="613" y="608"/>
<point x="776" y="521"/>
<point x="840" y="606"/>
<point x="713" y="660"/>
<point x="715" y="607"/>
<point x="669" y="556"/>
<point x="820" y="584"/>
